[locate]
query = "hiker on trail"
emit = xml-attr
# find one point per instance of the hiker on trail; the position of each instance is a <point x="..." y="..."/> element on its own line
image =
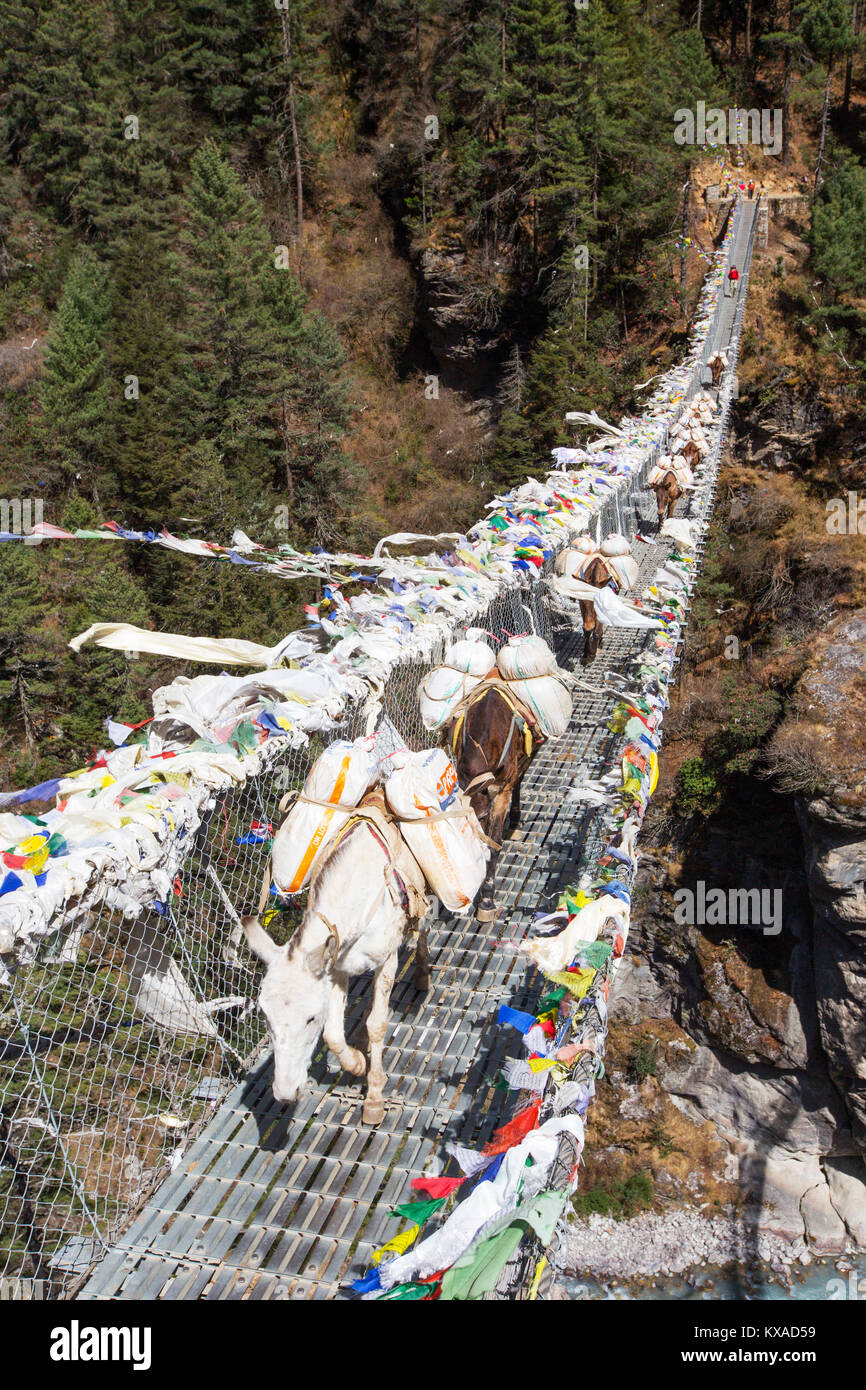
<point x="751" y="188"/>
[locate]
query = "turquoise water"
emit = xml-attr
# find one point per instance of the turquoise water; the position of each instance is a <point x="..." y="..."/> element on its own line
<point x="818" y="1281"/>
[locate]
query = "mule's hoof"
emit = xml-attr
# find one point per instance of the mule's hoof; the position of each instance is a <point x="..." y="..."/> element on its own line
<point x="421" y="981"/>
<point x="485" y="912"/>
<point x="374" y="1112"/>
<point x="516" y="836"/>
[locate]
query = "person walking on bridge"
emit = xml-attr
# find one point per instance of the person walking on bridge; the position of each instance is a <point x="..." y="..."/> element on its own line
<point x="733" y="280"/>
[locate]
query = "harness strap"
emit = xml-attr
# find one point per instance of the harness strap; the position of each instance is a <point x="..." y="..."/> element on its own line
<point x="266" y="888"/>
<point x="316" y="801"/>
<point x="489" y="683"/>
<point x="612" y="574"/>
<point x="480" y="781"/>
<point x="513" y="725"/>
<point x="335" y="935"/>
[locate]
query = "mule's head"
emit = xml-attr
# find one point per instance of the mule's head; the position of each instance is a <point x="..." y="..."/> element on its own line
<point x="294" y="999"/>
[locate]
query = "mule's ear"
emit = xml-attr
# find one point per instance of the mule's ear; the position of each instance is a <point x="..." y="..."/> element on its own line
<point x="322" y="957"/>
<point x="317" y="959"/>
<point x="259" y="941"/>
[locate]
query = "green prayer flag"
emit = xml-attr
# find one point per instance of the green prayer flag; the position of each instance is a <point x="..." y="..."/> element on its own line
<point x="550" y="1000"/>
<point x="419" y="1212"/>
<point x="404" y="1291"/>
<point x="595" y="954"/>
<point x="479" y="1267"/>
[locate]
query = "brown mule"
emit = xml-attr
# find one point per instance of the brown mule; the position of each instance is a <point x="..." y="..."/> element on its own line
<point x="492" y="741"/>
<point x="668" y="492"/>
<point x="692" y="454"/>
<point x="598" y="574"/>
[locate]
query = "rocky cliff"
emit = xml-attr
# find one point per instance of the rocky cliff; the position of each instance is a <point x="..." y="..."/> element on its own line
<point x="756" y="1038"/>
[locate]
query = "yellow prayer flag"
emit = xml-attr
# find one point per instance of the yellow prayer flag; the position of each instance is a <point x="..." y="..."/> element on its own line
<point x="398" y="1246"/>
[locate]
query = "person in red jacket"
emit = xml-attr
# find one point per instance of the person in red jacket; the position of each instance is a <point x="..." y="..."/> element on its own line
<point x="733" y="280"/>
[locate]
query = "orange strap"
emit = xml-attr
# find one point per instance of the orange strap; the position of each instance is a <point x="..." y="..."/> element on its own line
<point x="321" y="829"/>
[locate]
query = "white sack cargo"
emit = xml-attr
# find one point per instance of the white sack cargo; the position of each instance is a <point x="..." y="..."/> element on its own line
<point x="680" y="470"/>
<point x="626" y="570"/>
<point x="548" y="700"/>
<point x="343" y="773"/>
<point x="451" y="852"/>
<point x="570" y="561"/>
<point x="525" y="657"/>
<point x="440" y="692"/>
<point x="614" y="544"/>
<point x="472" y="658"/>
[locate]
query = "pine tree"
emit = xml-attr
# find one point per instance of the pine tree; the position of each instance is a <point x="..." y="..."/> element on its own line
<point x="124" y="183"/>
<point x="472" y="104"/>
<point x="74" y="391"/>
<point x="25" y="667"/>
<point x="839" y="229"/>
<point x="265" y="382"/>
<point x="233" y="342"/>
<point x="228" y="58"/>
<point x="514" y="456"/>
<point x="313" y="413"/>
<point x="53" y="702"/>
<point x="826" y="29"/>
<point x="149" y="418"/>
<point x="51" y="66"/>
<point x="542" y="118"/>
<point x="789" y="42"/>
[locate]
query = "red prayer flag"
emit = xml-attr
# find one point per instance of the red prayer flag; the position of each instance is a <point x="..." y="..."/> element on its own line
<point x="508" y="1135"/>
<point x="437" y="1187"/>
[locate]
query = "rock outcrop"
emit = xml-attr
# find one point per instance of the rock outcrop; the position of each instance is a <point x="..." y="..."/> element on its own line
<point x="462" y="315"/>
<point x="831" y="714"/>
<point x="770" y="1057"/>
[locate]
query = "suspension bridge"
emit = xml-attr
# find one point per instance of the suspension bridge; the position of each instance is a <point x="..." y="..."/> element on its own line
<point x="219" y="1192"/>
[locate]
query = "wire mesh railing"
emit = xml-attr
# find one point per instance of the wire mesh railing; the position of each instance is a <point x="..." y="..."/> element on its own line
<point x="119" y="1037"/>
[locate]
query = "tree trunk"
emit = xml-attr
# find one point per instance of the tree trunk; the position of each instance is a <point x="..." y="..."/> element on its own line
<point x="786" y="94"/>
<point x="786" y="89"/>
<point x="846" y="99"/>
<point x="823" y="138"/>
<point x="290" y="482"/>
<point x="299" y="177"/>
<point x="749" y="31"/>
<point x="595" y="211"/>
<point x="20" y="690"/>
